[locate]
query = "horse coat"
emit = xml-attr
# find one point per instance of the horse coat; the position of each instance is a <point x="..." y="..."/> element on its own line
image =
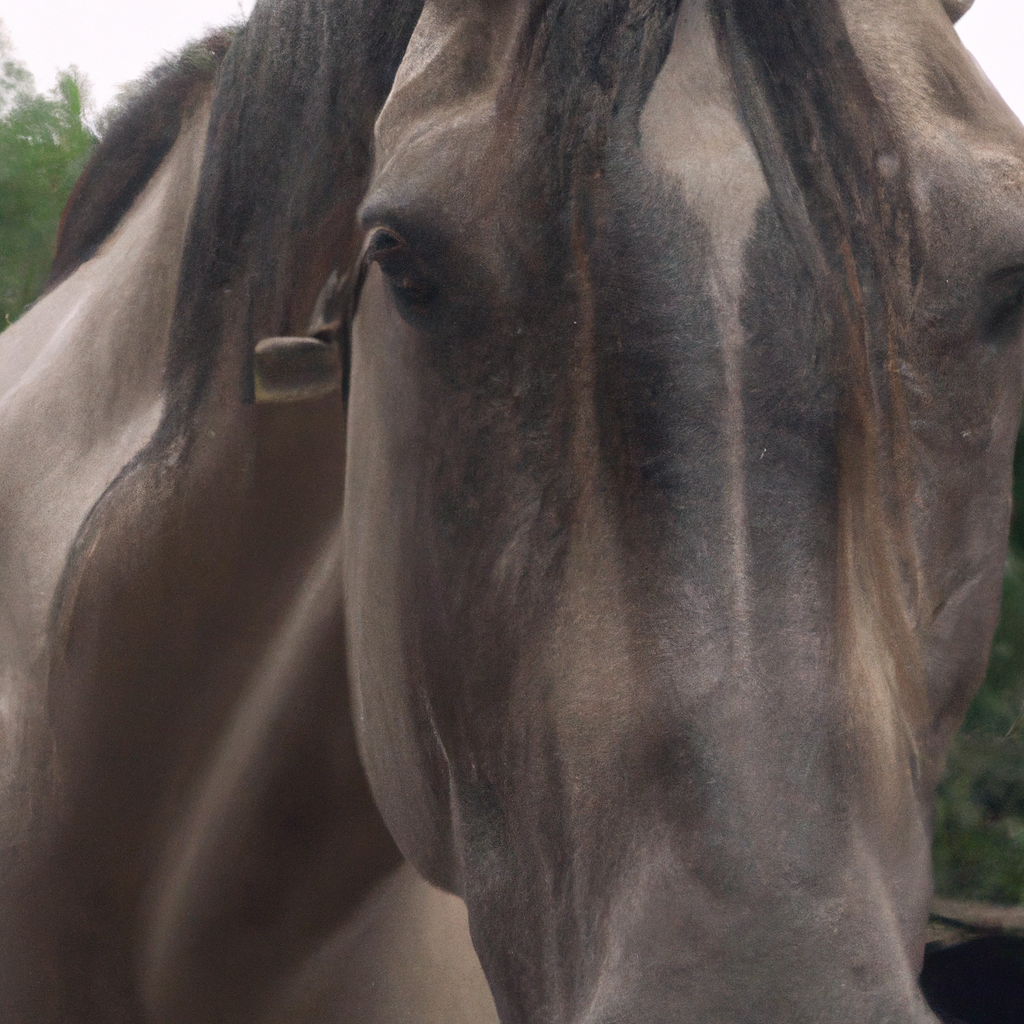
<point x="655" y="518"/>
<point x="151" y="806"/>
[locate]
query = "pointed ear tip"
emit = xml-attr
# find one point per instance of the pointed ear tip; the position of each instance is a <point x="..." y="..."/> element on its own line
<point x="956" y="9"/>
<point x="295" y="369"/>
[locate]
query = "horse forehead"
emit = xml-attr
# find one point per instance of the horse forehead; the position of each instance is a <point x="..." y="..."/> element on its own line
<point x="958" y="136"/>
<point x="439" y="120"/>
<point x="691" y="133"/>
<point x="452" y="70"/>
<point x="964" y="146"/>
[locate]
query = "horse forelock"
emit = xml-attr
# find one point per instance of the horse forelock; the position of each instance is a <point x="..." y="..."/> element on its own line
<point x="839" y="176"/>
<point x="839" y="179"/>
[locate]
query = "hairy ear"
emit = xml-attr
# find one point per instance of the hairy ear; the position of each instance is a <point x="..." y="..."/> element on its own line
<point x="957" y="8"/>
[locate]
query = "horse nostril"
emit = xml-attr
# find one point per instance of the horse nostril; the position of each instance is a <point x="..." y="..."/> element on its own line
<point x="295" y="369"/>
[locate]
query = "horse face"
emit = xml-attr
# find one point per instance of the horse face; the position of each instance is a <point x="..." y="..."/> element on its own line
<point x="686" y="375"/>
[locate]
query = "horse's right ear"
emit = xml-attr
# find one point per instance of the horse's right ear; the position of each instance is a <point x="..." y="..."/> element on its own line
<point x="956" y="9"/>
<point x="295" y="369"/>
<point x="292" y="369"/>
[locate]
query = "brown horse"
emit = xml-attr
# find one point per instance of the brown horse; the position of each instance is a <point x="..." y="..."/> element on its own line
<point x="685" y="380"/>
<point x="657" y="505"/>
<point x="186" y="833"/>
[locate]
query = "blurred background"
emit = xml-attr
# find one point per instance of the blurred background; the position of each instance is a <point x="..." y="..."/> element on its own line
<point x="64" y="68"/>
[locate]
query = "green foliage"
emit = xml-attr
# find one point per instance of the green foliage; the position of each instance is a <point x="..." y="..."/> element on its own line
<point x="979" y="835"/>
<point x="44" y="144"/>
<point x="979" y="826"/>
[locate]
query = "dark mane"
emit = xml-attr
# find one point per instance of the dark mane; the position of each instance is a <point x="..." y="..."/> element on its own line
<point x="138" y="138"/>
<point x="836" y="169"/>
<point x="593" y="60"/>
<point x="289" y="152"/>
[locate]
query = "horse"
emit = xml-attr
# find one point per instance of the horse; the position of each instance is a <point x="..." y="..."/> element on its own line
<point x="572" y="461"/>
<point x="187" y="833"/>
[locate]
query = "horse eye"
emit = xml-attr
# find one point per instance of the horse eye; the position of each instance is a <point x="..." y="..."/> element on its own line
<point x="1006" y="309"/>
<point x="383" y="245"/>
<point x="412" y="287"/>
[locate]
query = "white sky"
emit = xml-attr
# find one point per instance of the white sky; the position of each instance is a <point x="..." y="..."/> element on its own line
<point x="993" y="30"/>
<point x="114" y="41"/>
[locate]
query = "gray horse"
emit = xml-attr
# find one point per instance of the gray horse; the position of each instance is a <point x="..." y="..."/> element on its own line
<point x="630" y="505"/>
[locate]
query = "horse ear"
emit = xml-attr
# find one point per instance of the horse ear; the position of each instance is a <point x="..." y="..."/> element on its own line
<point x="956" y="9"/>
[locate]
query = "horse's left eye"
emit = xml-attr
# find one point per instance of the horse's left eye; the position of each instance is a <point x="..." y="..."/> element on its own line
<point x="412" y="287"/>
<point x="384" y="244"/>
<point x="1005" y="319"/>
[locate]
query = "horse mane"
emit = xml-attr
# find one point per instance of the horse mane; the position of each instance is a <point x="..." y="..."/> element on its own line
<point x="142" y="131"/>
<point x="835" y="166"/>
<point x="834" y="163"/>
<point x="289" y="153"/>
